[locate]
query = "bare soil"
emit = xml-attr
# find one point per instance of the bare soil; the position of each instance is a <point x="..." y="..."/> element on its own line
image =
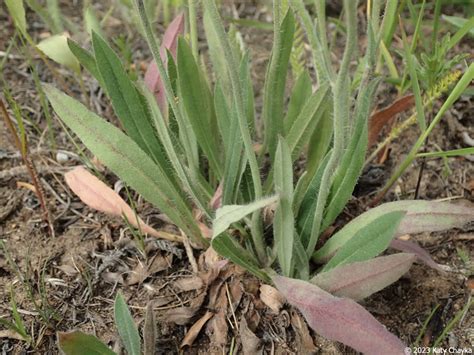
<point x="68" y="281"/>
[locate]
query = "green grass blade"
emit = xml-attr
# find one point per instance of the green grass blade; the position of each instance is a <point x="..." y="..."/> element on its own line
<point x="369" y="242"/>
<point x="284" y="221"/>
<point x="125" y="158"/>
<point x="447" y="153"/>
<point x="275" y="80"/>
<point x="126" y="326"/>
<point x="197" y="101"/>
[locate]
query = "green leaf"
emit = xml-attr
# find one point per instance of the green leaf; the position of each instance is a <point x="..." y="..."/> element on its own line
<point x="460" y="23"/>
<point x="197" y="101"/>
<point x="17" y="12"/>
<point x="91" y="22"/>
<point x="307" y="208"/>
<point x="275" y="80"/>
<point x="352" y="162"/>
<point x="79" y="343"/>
<point x="284" y="222"/>
<point x="320" y="141"/>
<point x="128" y="103"/>
<point x="57" y="49"/>
<point x="228" y="247"/>
<point x="302" y="90"/>
<point x="368" y="242"/>
<point x="87" y="60"/>
<point x="126" y="326"/>
<point x="125" y="158"/>
<point x="305" y="123"/>
<point x="226" y="215"/>
<point x="421" y="216"/>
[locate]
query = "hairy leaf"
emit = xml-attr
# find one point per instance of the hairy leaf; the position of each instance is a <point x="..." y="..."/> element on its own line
<point x="228" y="247"/>
<point x="421" y="216"/>
<point x="226" y="215"/>
<point x="368" y="242"/>
<point x="275" y="81"/>
<point x="17" y="12"/>
<point x="79" y="343"/>
<point x="87" y="60"/>
<point x="359" y="280"/>
<point x="197" y="101"/>
<point x="124" y="157"/>
<point x="301" y="91"/>
<point x="128" y="103"/>
<point x="339" y="319"/>
<point x="412" y="247"/>
<point x="284" y="221"/>
<point x="126" y="326"/>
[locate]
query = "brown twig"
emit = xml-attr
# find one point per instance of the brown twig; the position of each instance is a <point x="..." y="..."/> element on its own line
<point x="29" y="165"/>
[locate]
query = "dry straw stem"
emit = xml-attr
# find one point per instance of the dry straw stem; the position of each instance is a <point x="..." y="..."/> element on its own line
<point x="23" y="148"/>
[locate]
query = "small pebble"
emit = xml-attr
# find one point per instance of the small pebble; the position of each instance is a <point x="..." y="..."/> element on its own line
<point x="61" y="157"/>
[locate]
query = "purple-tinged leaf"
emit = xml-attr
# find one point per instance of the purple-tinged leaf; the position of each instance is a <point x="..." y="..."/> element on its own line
<point x="421" y="216"/>
<point x="170" y="42"/>
<point x="409" y="246"/>
<point x="340" y="319"/>
<point x="361" y="279"/>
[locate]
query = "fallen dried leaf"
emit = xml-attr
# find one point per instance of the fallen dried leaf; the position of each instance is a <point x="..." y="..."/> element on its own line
<point x="159" y="263"/>
<point x="183" y="315"/>
<point x="304" y="340"/>
<point x="149" y="331"/>
<point x="189" y="283"/>
<point x="138" y="274"/>
<point x="272" y="298"/>
<point x="194" y="331"/>
<point x="99" y="196"/>
<point x="251" y="344"/>
<point x="380" y="118"/>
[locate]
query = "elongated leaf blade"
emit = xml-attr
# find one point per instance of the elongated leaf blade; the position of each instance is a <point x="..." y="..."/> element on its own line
<point x="421" y="216"/>
<point x="359" y="280"/>
<point x="99" y="196"/>
<point x="408" y="246"/>
<point x="17" y="12"/>
<point x="352" y="162"/>
<point x="128" y="104"/>
<point x="79" y="343"/>
<point x="228" y="247"/>
<point x="284" y="221"/>
<point x="170" y="42"/>
<point x="198" y="103"/>
<point x="275" y="81"/>
<point x="125" y="158"/>
<point x="302" y="90"/>
<point x="126" y="326"/>
<point x="369" y="242"/>
<point x="229" y="214"/>
<point x="87" y="60"/>
<point x="339" y="319"/>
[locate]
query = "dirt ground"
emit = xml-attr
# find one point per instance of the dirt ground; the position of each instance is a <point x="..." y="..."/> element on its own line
<point x="68" y="282"/>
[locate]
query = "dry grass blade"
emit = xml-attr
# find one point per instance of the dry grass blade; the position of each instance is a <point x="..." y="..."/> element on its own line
<point x="23" y="148"/>
<point x="99" y="196"/>
<point x="194" y="331"/>
<point x="149" y="331"/>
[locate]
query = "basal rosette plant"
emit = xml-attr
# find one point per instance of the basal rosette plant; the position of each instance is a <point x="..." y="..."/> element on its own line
<point x="195" y="148"/>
